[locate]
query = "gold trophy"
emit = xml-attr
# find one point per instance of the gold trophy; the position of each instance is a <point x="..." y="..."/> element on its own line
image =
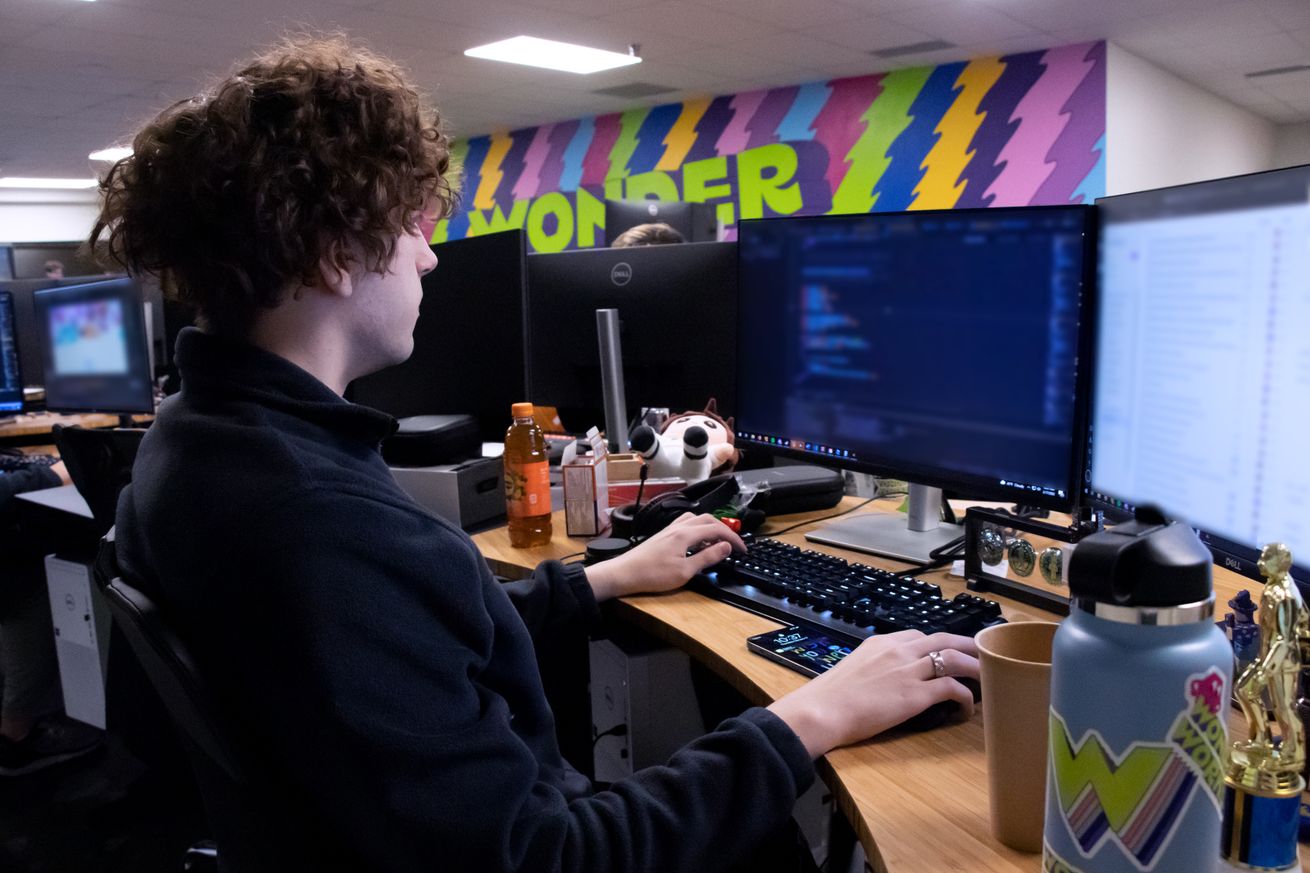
<point x="1264" y="783"/>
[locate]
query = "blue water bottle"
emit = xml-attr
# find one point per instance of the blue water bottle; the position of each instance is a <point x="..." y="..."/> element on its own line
<point x="1140" y="680"/>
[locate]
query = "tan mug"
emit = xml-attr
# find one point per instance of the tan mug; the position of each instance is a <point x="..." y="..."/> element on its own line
<point x="1015" y="660"/>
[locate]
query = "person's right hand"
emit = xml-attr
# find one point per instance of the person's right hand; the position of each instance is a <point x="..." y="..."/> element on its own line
<point x="886" y="680"/>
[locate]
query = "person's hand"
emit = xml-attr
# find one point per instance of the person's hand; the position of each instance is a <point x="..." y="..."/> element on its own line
<point x="61" y="471"/>
<point x="886" y="680"/>
<point x="661" y="563"/>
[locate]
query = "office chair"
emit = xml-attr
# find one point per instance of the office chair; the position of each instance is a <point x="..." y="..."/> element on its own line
<point x="100" y="464"/>
<point x="249" y="819"/>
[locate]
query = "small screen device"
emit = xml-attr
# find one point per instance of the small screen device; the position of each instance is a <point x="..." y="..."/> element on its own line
<point x="803" y="648"/>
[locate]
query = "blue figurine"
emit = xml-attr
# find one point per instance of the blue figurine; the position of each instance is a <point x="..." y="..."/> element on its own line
<point x="1242" y="629"/>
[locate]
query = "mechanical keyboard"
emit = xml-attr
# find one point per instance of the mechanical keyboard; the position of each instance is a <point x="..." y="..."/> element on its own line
<point x="12" y="463"/>
<point x="800" y="586"/>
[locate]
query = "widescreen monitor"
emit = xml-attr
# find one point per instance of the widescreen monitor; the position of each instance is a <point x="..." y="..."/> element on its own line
<point x="468" y="343"/>
<point x="1202" y="384"/>
<point x="11" y="379"/>
<point x="697" y="222"/>
<point x="678" y="311"/>
<point x="94" y="348"/>
<point x="938" y="347"/>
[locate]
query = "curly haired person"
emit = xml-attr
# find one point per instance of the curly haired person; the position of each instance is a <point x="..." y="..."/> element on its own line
<point x="385" y="677"/>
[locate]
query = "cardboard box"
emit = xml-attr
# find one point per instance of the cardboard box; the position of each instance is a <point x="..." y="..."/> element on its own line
<point x="586" y="491"/>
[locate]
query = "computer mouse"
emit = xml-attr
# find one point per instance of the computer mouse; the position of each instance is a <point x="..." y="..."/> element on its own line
<point x="939" y="713"/>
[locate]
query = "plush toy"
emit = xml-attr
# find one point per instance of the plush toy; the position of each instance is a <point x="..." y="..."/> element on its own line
<point x="691" y="446"/>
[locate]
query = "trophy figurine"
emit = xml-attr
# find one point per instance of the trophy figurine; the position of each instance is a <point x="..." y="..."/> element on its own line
<point x="1264" y="783"/>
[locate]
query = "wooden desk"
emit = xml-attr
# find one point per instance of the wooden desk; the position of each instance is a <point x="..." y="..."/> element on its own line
<point x="918" y="802"/>
<point x="44" y="422"/>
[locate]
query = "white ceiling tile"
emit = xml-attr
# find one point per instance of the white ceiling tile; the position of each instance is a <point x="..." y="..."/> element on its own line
<point x="1302" y="37"/>
<point x="966" y="22"/>
<point x="730" y="62"/>
<point x="798" y="49"/>
<point x="1235" y="20"/>
<point x="869" y="33"/>
<point x="793" y="14"/>
<point x="1291" y="14"/>
<point x="708" y="24"/>
<point x="1289" y="86"/>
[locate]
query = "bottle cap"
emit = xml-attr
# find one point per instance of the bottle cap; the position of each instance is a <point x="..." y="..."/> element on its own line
<point x="1147" y="562"/>
<point x="521" y="410"/>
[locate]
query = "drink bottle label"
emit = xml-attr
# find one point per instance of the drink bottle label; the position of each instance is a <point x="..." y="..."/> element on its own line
<point x="1133" y="800"/>
<point x="527" y="489"/>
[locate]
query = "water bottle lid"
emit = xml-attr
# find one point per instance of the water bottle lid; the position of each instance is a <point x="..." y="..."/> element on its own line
<point x="521" y="410"/>
<point x="1147" y="562"/>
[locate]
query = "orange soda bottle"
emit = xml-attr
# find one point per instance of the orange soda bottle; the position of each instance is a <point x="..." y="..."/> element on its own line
<point x="527" y="481"/>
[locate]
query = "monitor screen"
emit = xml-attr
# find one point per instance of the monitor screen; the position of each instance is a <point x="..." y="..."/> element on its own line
<point x="468" y="343"/>
<point x="677" y="307"/>
<point x="11" y="380"/>
<point x="937" y="347"/>
<point x="697" y="222"/>
<point x="1203" y="359"/>
<point x="94" y="348"/>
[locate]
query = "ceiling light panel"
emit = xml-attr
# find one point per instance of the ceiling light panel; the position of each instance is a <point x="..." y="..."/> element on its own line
<point x="551" y="55"/>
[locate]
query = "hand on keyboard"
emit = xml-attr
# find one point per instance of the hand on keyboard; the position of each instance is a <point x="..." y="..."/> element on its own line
<point x="885" y="681"/>
<point x="666" y="560"/>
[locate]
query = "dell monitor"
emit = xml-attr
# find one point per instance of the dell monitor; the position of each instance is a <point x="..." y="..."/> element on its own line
<point x="11" y="379"/>
<point x="94" y="348"/>
<point x="939" y="347"/>
<point x="677" y="310"/>
<point x="697" y="222"/>
<point x="468" y="343"/>
<point x="1202" y="386"/>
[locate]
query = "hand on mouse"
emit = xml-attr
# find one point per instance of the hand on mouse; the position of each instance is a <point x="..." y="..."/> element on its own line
<point x="882" y="683"/>
<point x="661" y="563"/>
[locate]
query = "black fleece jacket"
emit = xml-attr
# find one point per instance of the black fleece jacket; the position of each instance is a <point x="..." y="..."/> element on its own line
<point x="374" y="657"/>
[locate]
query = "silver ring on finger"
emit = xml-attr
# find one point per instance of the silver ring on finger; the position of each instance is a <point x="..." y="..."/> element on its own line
<point x="938" y="664"/>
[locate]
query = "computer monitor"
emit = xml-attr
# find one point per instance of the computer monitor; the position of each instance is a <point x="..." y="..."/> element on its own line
<point x="94" y="348"/>
<point x="1203" y="360"/>
<point x="697" y="222"/>
<point x="938" y="347"/>
<point x="468" y="343"/>
<point x="11" y="378"/>
<point x="677" y="307"/>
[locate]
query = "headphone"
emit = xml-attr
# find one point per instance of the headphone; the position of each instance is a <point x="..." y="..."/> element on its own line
<point x="639" y="523"/>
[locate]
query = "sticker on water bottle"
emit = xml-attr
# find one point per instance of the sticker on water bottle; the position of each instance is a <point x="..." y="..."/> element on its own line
<point x="1137" y="797"/>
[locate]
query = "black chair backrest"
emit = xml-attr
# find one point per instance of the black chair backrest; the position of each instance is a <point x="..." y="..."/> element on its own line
<point x="100" y="464"/>
<point x="169" y="666"/>
<point x="240" y="809"/>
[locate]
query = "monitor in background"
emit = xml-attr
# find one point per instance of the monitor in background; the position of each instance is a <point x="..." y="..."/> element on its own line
<point x="1203" y="360"/>
<point x="94" y="348"/>
<point x="677" y="307"/>
<point x="937" y="347"/>
<point x="468" y="343"/>
<point x="697" y="222"/>
<point x="11" y="379"/>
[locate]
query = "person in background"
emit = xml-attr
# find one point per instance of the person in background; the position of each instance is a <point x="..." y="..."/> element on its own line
<point x="386" y="679"/>
<point x="654" y="234"/>
<point x="34" y="733"/>
<point x="54" y="270"/>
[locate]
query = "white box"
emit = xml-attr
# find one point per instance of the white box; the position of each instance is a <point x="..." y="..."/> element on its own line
<point x="81" y="622"/>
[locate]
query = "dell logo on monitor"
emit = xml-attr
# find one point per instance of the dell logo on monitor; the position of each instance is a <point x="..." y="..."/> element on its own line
<point x="621" y="274"/>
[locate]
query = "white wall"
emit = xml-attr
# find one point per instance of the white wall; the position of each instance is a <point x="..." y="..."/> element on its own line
<point x="1161" y="130"/>
<point x="46" y="216"/>
<point x="1292" y="145"/>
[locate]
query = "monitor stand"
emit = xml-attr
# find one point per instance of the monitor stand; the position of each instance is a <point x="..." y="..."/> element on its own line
<point x="906" y="537"/>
